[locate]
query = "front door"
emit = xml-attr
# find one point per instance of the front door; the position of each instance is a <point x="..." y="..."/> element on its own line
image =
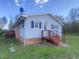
<point x="45" y="31"/>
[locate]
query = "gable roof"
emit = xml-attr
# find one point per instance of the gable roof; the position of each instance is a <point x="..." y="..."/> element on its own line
<point x="22" y="17"/>
<point x="56" y="18"/>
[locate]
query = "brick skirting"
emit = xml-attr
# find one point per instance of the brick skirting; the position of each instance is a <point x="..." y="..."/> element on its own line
<point x="28" y="41"/>
<point x="32" y="41"/>
<point x="17" y="36"/>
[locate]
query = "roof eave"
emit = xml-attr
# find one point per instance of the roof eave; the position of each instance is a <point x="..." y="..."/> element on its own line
<point x="19" y="19"/>
<point x="56" y="19"/>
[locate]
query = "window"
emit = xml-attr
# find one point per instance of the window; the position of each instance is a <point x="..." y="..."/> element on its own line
<point x="40" y="25"/>
<point x="54" y="32"/>
<point x="36" y="24"/>
<point x="44" y="27"/>
<point x="23" y="24"/>
<point x="32" y="24"/>
<point x="54" y="26"/>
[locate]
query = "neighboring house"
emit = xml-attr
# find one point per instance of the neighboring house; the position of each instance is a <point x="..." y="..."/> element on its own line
<point x="30" y="29"/>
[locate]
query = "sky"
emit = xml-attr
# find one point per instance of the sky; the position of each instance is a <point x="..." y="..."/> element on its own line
<point x="60" y="7"/>
<point x="57" y="7"/>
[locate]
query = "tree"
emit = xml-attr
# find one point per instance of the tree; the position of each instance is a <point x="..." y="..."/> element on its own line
<point x="74" y="16"/>
<point x="4" y="19"/>
<point x="11" y="23"/>
<point x="3" y="22"/>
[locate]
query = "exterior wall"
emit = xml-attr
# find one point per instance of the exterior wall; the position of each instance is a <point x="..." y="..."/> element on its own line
<point x="17" y="32"/>
<point x="32" y="41"/>
<point x="30" y="35"/>
<point x="36" y="32"/>
<point x="22" y="33"/>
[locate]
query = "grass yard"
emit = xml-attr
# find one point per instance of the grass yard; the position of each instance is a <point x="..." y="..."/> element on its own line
<point x="42" y="51"/>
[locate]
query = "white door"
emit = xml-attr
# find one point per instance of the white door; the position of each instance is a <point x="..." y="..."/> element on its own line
<point x="45" y="33"/>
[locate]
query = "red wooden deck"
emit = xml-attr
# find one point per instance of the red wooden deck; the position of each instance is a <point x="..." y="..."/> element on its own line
<point x="52" y="39"/>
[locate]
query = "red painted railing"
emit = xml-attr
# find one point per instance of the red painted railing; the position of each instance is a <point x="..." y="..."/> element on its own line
<point x="52" y="39"/>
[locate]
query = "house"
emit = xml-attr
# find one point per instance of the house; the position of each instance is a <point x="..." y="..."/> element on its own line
<point x="30" y="29"/>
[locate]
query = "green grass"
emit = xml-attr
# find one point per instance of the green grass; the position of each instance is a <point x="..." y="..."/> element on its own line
<point x="41" y="51"/>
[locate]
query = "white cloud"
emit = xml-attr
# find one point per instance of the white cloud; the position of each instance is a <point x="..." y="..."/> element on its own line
<point x="41" y="1"/>
<point x="20" y="2"/>
<point x="17" y="2"/>
<point x="41" y="6"/>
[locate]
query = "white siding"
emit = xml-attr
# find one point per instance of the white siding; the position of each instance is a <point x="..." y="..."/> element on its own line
<point x="36" y="32"/>
<point x="22" y="31"/>
<point x="33" y="34"/>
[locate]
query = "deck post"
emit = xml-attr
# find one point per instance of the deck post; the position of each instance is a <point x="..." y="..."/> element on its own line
<point x="42" y="37"/>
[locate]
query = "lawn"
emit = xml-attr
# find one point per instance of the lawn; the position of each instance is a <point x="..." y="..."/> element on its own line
<point x="39" y="51"/>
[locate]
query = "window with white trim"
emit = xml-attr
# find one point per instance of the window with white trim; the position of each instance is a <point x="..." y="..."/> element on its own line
<point x="22" y="24"/>
<point x="32" y="24"/>
<point x="36" y="24"/>
<point x="54" y="26"/>
<point x="40" y="25"/>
